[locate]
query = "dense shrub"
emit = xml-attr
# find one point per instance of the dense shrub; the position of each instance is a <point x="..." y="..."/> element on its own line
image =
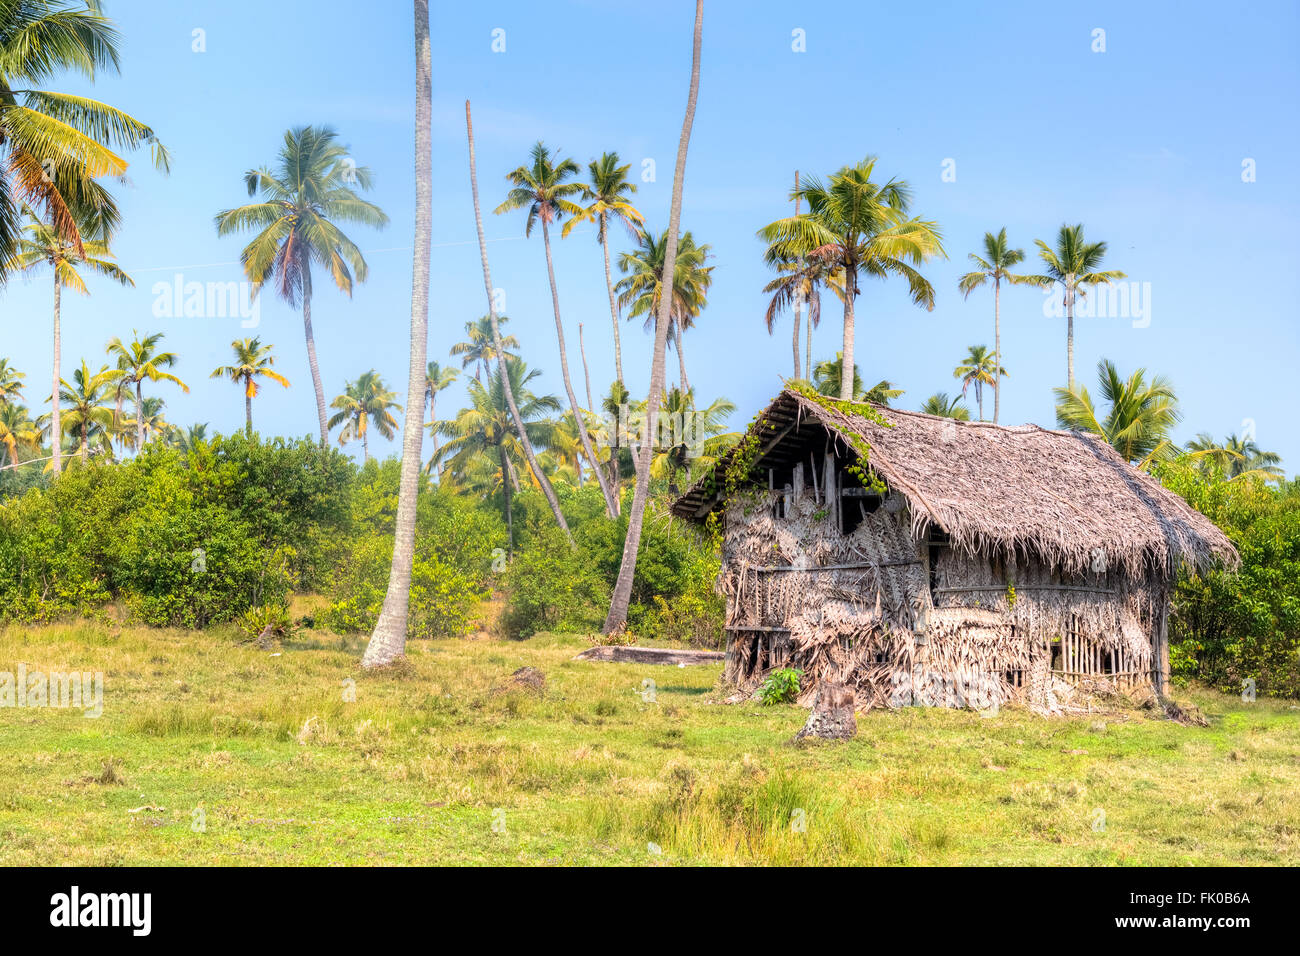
<point x="1228" y="627"/>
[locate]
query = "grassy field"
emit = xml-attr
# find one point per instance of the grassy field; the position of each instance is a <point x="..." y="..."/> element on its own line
<point x="439" y="761"/>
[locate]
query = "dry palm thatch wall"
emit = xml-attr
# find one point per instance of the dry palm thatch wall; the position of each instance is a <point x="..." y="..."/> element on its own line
<point x="994" y="564"/>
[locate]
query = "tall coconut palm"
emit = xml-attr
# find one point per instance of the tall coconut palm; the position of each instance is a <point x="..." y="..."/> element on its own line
<point x="607" y="193"/>
<point x="545" y="189"/>
<point x="87" y="416"/>
<point x="996" y="265"/>
<point x="1073" y="263"/>
<point x="478" y="349"/>
<point x="389" y="636"/>
<point x="940" y="404"/>
<point x="140" y="360"/>
<point x="253" y="361"/>
<point x="616" y="619"/>
<point x="520" y="430"/>
<point x="186" y="440"/>
<point x="436" y="379"/>
<point x="302" y="200"/>
<point x="1139" y="420"/>
<point x="978" y="368"/>
<point x="862" y="228"/>
<point x="149" y="423"/>
<point x="363" y="403"/>
<point x="54" y="147"/>
<point x="642" y="285"/>
<point x="41" y="244"/>
<point x="485" y="429"/>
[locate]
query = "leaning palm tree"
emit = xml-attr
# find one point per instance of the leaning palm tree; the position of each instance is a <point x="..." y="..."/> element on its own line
<point x="978" y="368"/>
<point x="478" y="349"/>
<point x="363" y="403"/>
<point x="1073" y="263"/>
<point x="621" y="598"/>
<point x="607" y="192"/>
<point x="54" y="147"/>
<point x="940" y="404"/>
<point x="253" y="361"/>
<point x="88" y="418"/>
<point x="997" y="266"/>
<point x="388" y="639"/>
<point x="138" y="361"/>
<point x="641" y="287"/>
<point x="862" y="228"/>
<point x="546" y="189"/>
<point x="485" y="429"/>
<point x="1139" y="420"/>
<point x="520" y="430"/>
<point x="301" y="201"/>
<point x="41" y="244"/>
<point x="436" y="379"/>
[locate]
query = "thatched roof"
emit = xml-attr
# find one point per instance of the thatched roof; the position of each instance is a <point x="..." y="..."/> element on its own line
<point x="993" y="489"/>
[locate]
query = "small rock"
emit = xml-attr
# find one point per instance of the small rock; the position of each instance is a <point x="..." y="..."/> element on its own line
<point x="529" y="678"/>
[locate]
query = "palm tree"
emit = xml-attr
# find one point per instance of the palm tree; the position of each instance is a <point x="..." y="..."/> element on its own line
<point x="616" y="619"/>
<point x="1139" y="420"/>
<point x="436" y="379"/>
<point x="186" y="440"/>
<point x="149" y="424"/>
<point x="478" y="349"/>
<point x="363" y="403"/>
<point x="55" y="146"/>
<point x="11" y="382"/>
<point x="138" y="361"/>
<point x="302" y="200"/>
<point x="860" y="227"/>
<point x="88" y="416"/>
<point x="17" y="431"/>
<point x="799" y="282"/>
<point x="978" y="368"/>
<point x="388" y="639"/>
<point x="42" y="244"/>
<point x="484" y="430"/>
<point x="520" y="430"/>
<point x="642" y="285"/>
<point x="997" y="265"/>
<point x="607" y="192"/>
<point x="253" y="360"/>
<point x="1073" y="263"/>
<point x="1235" y="457"/>
<point x="544" y="188"/>
<point x="940" y="404"/>
<point x="696" y="436"/>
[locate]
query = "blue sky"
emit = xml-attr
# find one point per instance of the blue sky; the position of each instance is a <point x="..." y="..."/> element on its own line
<point x="1144" y="143"/>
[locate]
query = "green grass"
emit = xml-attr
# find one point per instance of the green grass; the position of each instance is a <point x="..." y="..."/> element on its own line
<point x="431" y="754"/>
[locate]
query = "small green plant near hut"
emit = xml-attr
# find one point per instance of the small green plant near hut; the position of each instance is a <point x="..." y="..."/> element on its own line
<point x="780" y="687"/>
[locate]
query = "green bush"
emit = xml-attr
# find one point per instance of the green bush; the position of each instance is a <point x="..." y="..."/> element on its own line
<point x="552" y="586"/>
<point x="781" y="686"/>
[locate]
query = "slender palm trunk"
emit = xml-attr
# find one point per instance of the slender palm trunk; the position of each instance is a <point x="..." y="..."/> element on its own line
<point x="542" y="480"/>
<point x="997" y="349"/>
<point x="681" y="361"/>
<point x="846" y="366"/>
<point x="139" y="417"/>
<point x="433" y="420"/>
<point x="979" y="399"/>
<point x="622" y="597"/>
<point x="507" y="500"/>
<point x="388" y="641"/>
<point x="311" y="357"/>
<point x="365" y="443"/>
<point x="1069" y="334"/>
<point x="808" y="355"/>
<point x="248" y="405"/>
<point x="586" y="373"/>
<point x="613" y="303"/>
<point x="56" y="422"/>
<point x="798" y="304"/>
<point x="85" y="441"/>
<point x="564" y="374"/>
